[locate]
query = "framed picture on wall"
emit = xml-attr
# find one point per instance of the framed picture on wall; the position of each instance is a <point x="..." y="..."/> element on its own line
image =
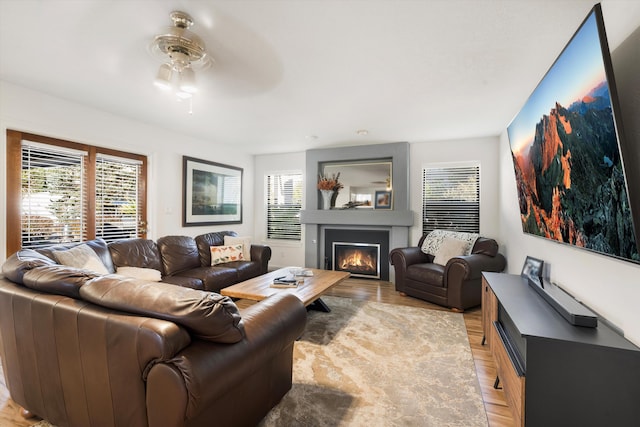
<point x="212" y="193"/>
<point x="383" y="200"/>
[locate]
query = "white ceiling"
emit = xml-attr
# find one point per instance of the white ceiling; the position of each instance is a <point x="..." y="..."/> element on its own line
<point x="288" y="70"/>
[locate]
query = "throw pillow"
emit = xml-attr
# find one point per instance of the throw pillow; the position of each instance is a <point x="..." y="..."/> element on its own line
<point x="222" y="254"/>
<point x="450" y="248"/>
<point x="81" y="256"/>
<point x="148" y="274"/>
<point x="433" y="240"/>
<point x="244" y="241"/>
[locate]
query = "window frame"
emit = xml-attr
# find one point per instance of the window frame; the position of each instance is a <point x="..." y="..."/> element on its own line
<point x="14" y="183"/>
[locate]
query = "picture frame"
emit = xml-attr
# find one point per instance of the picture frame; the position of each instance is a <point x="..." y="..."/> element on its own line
<point x="212" y="193"/>
<point x="383" y="200"/>
<point x="532" y="268"/>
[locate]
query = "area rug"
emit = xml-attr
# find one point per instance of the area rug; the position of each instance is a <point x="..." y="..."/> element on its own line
<point x="375" y="364"/>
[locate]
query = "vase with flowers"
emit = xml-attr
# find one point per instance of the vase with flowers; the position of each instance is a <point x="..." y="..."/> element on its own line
<point x="329" y="188"/>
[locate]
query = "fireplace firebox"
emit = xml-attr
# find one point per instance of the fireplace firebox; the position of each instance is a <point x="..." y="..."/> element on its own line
<point x="362" y="252"/>
<point x="359" y="259"/>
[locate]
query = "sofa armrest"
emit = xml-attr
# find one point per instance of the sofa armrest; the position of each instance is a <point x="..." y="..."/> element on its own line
<point x="261" y="254"/>
<point x="408" y="256"/>
<point x="210" y="369"/>
<point x="402" y="258"/>
<point x="469" y="267"/>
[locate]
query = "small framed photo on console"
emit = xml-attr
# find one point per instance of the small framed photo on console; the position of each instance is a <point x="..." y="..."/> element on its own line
<point x="532" y="268"/>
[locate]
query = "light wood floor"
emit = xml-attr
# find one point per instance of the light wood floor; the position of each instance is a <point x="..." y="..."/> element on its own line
<point x="371" y="290"/>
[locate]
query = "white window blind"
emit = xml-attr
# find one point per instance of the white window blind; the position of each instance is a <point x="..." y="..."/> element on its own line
<point x="117" y="198"/>
<point x="451" y="198"/>
<point x="53" y="187"/>
<point x="284" y="202"/>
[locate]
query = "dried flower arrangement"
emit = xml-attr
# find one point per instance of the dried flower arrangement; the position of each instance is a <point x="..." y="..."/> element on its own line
<point x="332" y="183"/>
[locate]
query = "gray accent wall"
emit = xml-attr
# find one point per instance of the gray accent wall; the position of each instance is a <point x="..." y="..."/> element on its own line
<point x="397" y="220"/>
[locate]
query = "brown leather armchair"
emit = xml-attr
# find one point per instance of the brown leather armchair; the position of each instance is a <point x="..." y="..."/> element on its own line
<point x="457" y="284"/>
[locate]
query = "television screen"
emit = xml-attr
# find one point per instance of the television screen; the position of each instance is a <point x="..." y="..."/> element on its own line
<point x="567" y="154"/>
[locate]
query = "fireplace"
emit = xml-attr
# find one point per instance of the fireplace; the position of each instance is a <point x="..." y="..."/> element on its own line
<point x="362" y="252"/>
<point x="359" y="259"/>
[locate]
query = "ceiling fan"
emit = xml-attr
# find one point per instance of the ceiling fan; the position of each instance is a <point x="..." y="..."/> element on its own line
<point x="181" y="51"/>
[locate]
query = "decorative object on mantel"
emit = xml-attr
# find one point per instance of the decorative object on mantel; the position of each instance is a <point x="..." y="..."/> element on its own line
<point x="383" y="200"/>
<point x="326" y="198"/>
<point x="329" y="187"/>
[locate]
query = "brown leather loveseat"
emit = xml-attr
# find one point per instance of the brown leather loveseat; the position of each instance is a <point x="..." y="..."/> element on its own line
<point x="186" y="261"/>
<point x="83" y="349"/>
<point x="447" y="276"/>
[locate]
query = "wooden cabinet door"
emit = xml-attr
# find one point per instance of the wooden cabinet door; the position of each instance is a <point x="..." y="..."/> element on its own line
<point x="489" y="311"/>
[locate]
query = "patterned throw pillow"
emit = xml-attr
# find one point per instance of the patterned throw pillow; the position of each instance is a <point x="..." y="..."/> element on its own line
<point x="432" y="242"/>
<point x="222" y="254"/>
<point x="246" y="244"/>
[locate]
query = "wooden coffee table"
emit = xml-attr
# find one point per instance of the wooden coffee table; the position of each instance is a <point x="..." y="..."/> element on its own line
<point x="309" y="292"/>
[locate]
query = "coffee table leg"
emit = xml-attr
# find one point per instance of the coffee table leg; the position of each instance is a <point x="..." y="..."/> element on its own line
<point x="319" y="305"/>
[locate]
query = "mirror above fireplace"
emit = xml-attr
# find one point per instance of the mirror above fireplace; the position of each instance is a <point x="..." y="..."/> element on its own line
<point x="361" y="180"/>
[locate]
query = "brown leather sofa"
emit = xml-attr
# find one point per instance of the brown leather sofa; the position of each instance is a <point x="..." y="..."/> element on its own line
<point x="82" y="349"/>
<point x="186" y="261"/>
<point x="457" y="284"/>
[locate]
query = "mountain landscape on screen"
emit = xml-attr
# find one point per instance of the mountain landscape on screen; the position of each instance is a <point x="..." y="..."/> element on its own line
<point x="570" y="181"/>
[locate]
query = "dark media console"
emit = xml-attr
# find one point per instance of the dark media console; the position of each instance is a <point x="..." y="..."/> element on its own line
<point x="555" y="373"/>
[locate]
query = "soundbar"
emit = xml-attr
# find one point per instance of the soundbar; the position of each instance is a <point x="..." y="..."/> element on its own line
<point x="573" y="311"/>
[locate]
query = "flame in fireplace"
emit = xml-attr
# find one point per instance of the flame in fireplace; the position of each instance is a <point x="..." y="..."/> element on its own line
<point x="358" y="260"/>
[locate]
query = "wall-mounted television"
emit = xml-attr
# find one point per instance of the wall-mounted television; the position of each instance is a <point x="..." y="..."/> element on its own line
<point x="568" y="153"/>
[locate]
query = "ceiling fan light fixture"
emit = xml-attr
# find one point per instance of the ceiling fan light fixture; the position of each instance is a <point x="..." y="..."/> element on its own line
<point x="187" y="82"/>
<point x="163" y="78"/>
<point x="182" y="51"/>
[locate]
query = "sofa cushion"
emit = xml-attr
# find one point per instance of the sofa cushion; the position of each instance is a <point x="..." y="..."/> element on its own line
<point x="148" y="274"/>
<point x="188" y="282"/>
<point x="178" y="253"/>
<point x="81" y="256"/>
<point x="450" y="248"/>
<point x="245" y="269"/>
<point x="245" y="241"/>
<point x="141" y="253"/>
<point x="224" y="253"/>
<point x="58" y="279"/>
<point x="430" y="273"/>
<point x="434" y="239"/>
<point x="207" y="315"/>
<point x="212" y="278"/>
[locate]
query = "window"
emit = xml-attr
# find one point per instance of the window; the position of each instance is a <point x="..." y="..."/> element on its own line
<point x="117" y="197"/>
<point x="284" y="202"/>
<point x="61" y="192"/>
<point x="451" y="198"/>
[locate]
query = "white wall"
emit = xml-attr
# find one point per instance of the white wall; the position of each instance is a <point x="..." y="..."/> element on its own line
<point x="284" y="253"/>
<point x="482" y="150"/>
<point x="609" y="286"/>
<point x="35" y="112"/>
